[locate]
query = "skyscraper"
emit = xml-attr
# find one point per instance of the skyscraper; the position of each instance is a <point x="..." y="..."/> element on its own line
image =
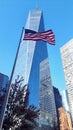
<point x="67" y="60"/>
<point x="29" y="56"/>
<point x="58" y="98"/>
<point x="47" y="100"/>
<point x="4" y="81"/>
<point x="58" y="102"/>
<point x="65" y="100"/>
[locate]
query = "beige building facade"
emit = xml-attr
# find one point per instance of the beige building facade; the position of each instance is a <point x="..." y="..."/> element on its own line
<point x="67" y="60"/>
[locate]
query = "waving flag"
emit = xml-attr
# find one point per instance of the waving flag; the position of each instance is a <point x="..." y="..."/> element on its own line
<point x="46" y="36"/>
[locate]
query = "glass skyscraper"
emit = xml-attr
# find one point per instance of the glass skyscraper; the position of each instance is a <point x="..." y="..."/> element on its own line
<point x="30" y="56"/>
<point x="4" y="81"/>
<point x="47" y="100"/>
<point x="67" y="59"/>
<point x="65" y="99"/>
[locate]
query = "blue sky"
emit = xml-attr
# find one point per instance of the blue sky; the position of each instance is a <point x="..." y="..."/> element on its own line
<point x="58" y="16"/>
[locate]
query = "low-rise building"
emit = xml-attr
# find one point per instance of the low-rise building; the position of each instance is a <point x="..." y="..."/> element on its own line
<point x="64" y="119"/>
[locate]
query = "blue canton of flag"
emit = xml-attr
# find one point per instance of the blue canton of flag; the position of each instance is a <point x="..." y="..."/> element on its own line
<point x="46" y="36"/>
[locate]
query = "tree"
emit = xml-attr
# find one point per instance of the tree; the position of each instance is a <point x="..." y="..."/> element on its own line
<point x="19" y="116"/>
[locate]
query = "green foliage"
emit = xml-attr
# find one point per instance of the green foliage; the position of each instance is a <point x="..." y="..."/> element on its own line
<point x="19" y="116"/>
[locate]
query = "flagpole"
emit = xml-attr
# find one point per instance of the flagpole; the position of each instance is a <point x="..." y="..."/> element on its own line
<point x="8" y="89"/>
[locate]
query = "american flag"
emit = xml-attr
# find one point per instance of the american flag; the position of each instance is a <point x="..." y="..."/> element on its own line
<point x="46" y="36"/>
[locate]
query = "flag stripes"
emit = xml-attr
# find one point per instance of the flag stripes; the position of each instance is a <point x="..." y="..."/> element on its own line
<point x="46" y="36"/>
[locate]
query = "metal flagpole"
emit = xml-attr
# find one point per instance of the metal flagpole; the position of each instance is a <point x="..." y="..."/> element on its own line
<point x="8" y="89"/>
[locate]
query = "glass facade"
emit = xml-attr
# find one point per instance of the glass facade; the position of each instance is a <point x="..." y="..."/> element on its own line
<point x="67" y="60"/>
<point x="65" y="99"/>
<point x="4" y="81"/>
<point x="47" y="100"/>
<point x="29" y="56"/>
<point x="58" y="102"/>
